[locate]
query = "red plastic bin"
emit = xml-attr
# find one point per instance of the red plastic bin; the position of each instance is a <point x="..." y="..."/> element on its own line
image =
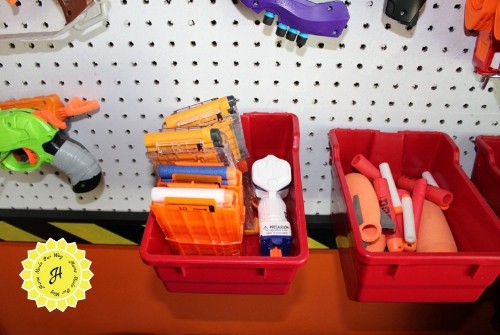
<point x="486" y="171"/>
<point x="414" y="276"/>
<point x="250" y="273"/>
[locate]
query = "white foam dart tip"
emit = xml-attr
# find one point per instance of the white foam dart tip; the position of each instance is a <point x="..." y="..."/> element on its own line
<point x="410" y="234"/>
<point x="430" y="178"/>
<point x="386" y="173"/>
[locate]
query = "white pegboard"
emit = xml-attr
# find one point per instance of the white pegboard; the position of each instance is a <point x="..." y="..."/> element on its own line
<point x="153" y="57"/>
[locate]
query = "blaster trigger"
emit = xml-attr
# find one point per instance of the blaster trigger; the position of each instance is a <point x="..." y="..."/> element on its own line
<point x="25" y="155"/>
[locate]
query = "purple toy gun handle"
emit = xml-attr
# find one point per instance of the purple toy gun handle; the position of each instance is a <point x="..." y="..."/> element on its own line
<point x="298" y="18"/>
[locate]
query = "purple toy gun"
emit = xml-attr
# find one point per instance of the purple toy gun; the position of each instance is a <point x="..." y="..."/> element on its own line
<point x="299" y="18"/>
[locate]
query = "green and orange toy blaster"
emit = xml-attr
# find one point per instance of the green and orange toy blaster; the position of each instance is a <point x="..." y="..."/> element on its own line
<point x="31" y="134"/>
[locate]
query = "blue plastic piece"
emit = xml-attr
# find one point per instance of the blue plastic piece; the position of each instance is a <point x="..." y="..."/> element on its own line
<point x="282" y="26"/>
<point x="322" y="19"/>
<point x="282" y="242"/>
<point x="291" y="34"/>
<point x="269" y="15"/>
<point x="268" y="18"/>
<point x="281" y="29"/>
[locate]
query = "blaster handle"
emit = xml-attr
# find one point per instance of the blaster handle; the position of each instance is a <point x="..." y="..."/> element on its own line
<point x="404" y="11"/>
<point x="76" y="162"/>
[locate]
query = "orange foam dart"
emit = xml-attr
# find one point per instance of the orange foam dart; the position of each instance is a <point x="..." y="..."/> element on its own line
<point x="393" y="239"/>
<point x="360" y="186"/>
<point x="434" y="233"/>
<point x="364" y="166"/>
<point x="12" y="2"/>
<point x="384" y="197"/>
<point x="441" y="197"/>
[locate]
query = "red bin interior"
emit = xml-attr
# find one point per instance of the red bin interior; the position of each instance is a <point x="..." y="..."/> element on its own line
<point x="265" y="133"/>
<point x="414" y="277"/>
<point x="486" y="171"/>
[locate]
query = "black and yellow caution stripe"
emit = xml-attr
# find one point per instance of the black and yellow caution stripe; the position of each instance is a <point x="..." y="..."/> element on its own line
<point x="114" y="228"/>
<point x="80" y="227"/>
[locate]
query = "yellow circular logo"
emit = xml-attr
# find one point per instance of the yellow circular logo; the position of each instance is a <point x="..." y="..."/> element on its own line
<point x="56" y="274"/>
